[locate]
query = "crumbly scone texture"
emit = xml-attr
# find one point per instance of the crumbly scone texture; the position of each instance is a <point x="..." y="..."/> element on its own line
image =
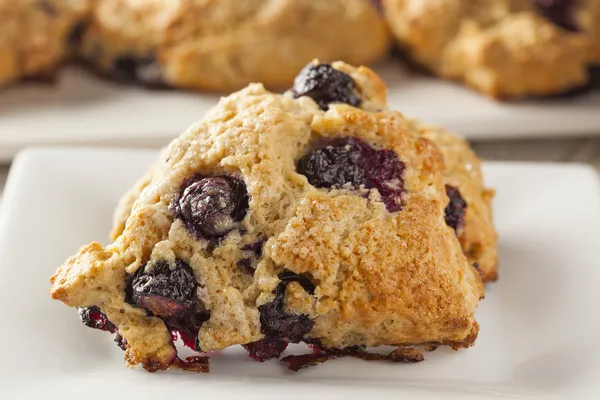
<point x="222" y="45"/>
<point x="503" y="48"/>
<point x="380" y="277"/>
<point x="478" y="236"/>
<point x="34" y="37"/>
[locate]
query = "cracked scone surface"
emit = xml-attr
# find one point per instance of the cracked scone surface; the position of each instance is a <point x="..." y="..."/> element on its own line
<point x="34" y="38"/>
<point x="222" y="45"/>
<point x="504" y="48"/>
<point x="328" y="265"/>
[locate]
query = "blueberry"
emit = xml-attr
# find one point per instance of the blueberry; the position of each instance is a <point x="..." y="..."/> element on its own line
<point x="253" y="252"/>
<point x="334" y="165"/>
<point x="94" y="318"/>
<point x="560" y="12"/>
<point x="384" y="172"/>
<point x="187" y="326"/>
<point x="247" y="265"/>
<point x="145" y="70"/>
<point x="325" y="84"/>
<point x="266" y="349"/>
<point x="275" y="322"/>
<point x="165" y="290"/>
<point x="121" y="341"/>
<point x="456" y="209"/>
<point x="211" y="207"/>
<point x="76" y="34"/>
<point x="354" y="162"/>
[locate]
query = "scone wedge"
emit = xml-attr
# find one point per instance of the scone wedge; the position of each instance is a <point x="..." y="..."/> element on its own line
<point x="315" y="216"/>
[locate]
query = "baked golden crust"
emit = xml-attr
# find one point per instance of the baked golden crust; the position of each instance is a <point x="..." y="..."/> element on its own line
<point x="34" y="36"/>
<point x="397" y="278"/>
<point x="587" y="16"/>
<point x="222" y="45"/>
<point x="503" y="48"/>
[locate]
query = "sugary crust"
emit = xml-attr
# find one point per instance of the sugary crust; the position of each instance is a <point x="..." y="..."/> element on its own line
<point x="478" y="237"/>
<point x="34" y="36"/>
<point x="503" y="48"/>
<point x="381" y="278"/>
<point x="222" y="45"/>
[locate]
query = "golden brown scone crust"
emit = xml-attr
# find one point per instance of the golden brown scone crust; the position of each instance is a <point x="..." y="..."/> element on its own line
<point x="478" y="237"/>
<point x="587" y="16"/>
<point x="222" y="45"/>
<point x="396" y="278"/>
<point x="34" y="36"/>
<point x="503" y="48"/>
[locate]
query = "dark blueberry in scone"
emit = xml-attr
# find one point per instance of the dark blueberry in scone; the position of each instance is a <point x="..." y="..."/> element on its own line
<point x="165" y="290"/>
<point x="138" y="69"/>
<point x="325" y="84"/>
<point x="266" y="349"/>
<point x="334" y="165"/>
<point x="352" y="161"/>
<point x="76" y="34"/>
<point x="94" y="318"/>
<point x="254" y="251"/>
<point x="560" y="12"/>
<point x="211" y="207"/>
<point x="275" y="322"/>
<point x="456" y="209"/>
<point x="384" y="172"/>
<point x="279" y="327"/>
<point x="595" y="78"/>
<point x="187" y="326"/>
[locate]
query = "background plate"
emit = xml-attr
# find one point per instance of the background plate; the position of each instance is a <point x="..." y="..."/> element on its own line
<point x="82" y="109"/>
<point x="539" y="322"/>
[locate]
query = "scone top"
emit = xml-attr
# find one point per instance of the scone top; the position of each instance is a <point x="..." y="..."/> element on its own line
<point x="300" y="218"/>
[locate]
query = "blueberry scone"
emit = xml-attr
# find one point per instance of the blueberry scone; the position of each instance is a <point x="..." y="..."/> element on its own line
<point x="35" y="36"/>
<point x="504" y="48"/>
<point x="315" y="216"/>
<point x="222" y="45"/>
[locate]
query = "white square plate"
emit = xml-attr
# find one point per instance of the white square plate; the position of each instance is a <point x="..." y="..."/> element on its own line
<point x="82" y="109"/>
<point x="539" y="323"/>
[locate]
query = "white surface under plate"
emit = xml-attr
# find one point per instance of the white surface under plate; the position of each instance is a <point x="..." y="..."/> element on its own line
<point x="82" y="109"/>
<point x="539" y="323"/>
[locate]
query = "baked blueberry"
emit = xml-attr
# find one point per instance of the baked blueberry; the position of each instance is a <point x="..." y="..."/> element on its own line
<point x="145" y="70"/>
<point x="325" y="84"/>
<point x="275" y="322"/>
<point x="266" y="349"/>
<point x="354" y="162"/>
<point x="94" y="318"/>
<point x="163" y="289"/>
<point x="187" y="326"/>
<point x="560" y="12"/>
<point x="211" y="207"/>
<point x="456" y="209"/>
<point x="335" y="165"/>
